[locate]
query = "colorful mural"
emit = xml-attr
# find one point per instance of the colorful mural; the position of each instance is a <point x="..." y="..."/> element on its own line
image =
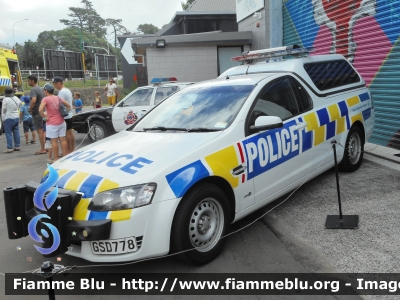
<point x="366" y="32"/>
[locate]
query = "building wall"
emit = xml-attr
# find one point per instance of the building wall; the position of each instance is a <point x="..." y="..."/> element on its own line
<point x="184" y="63"/>
<point x="261" y="34"/>
<point x="367" y="33"/>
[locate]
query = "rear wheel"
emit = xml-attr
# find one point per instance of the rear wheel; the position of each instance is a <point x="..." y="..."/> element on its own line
<point x="98" y="131"/>
<point x="354" y="150"/>
<point x="202" y="218"/>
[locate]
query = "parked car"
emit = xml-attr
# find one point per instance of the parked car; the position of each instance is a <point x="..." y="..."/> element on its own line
<point x="108" y="120"/>
<point x="210" y="155"/>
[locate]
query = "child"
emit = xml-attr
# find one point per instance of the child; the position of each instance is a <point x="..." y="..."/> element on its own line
<point x="26" y="118"/>
<point x="77" y="103"/>
<point x="97" y="100"/>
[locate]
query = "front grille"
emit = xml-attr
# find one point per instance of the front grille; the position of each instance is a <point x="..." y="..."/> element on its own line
<point x="139" y="241"/>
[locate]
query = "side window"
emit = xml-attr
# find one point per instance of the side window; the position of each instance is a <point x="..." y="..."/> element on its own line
<point x="163" y="92"/>
<point x="277" y="99"/>
<point x="140" y="97"/>
<point x="331" y="74"/>
<point x="303" y="98"/>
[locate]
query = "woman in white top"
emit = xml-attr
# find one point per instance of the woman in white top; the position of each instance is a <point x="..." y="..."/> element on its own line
<point x="10" y="112"/>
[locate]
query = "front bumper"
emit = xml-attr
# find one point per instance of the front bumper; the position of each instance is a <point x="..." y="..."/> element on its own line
<point x="150" y="225"/>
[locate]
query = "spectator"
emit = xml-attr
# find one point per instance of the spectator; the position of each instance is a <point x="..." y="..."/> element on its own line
<point x="26" y="119"/>
<point x="97" y="100"/>
<point x="78" y="105"/>
<point x="36" y="99"/>
<point x="112" y="91"/>
<point x="55" y="124"/>
<point x="47" y="144"/>
<point x="11" y="105"/>
<point x="66" y="94"/>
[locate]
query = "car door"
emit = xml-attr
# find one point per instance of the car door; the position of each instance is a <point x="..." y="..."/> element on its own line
<point x="133" y="107"/>
<point x="278" y="157"/>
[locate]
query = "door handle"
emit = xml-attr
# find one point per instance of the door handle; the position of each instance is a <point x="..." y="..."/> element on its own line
<point x="238" y="170"/>
<point x="144" y="109"/>
<point x="301" y="125"/>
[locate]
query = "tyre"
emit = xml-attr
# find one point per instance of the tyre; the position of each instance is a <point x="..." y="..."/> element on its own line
<point x="354" y="150"/>
<point x="202" y="218"/>
<point x="98" y="131"/>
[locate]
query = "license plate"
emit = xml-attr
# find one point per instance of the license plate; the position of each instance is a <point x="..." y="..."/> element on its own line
<point x="118" y="246"/>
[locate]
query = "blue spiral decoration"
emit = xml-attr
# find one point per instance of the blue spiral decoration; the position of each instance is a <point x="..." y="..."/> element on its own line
<point x="44" y="206"/>
<point x="44" y="187"/>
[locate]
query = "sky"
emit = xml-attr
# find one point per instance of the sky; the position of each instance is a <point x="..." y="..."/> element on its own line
<point x="45" y="15"/>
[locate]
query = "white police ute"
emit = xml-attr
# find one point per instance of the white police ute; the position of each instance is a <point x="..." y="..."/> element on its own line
<point x="213" y="153"/>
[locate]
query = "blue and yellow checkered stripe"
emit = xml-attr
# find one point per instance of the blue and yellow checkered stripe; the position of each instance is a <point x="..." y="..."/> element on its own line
<point x="325" y="123"/>
<point x="89" y="185"/>
<point x="5" y="82"/>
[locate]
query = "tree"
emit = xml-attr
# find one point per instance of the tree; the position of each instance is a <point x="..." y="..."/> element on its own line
<point x="147" y="28"/>
<point x="30" y="55"/>
<point x="186" y="5"/>
<point x="86" y="19"/>
<point x="118" y="29"/>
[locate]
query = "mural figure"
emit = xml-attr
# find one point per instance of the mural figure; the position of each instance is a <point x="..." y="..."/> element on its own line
<point x="341" y="21"/>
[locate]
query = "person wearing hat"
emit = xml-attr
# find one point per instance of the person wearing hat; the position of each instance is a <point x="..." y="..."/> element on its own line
<point x="11" y="105"/>
<point x="26" y="119"/>
<point x="36" y="95"/>
<point x="55" y="124"/>
<point x="66" y="94"/>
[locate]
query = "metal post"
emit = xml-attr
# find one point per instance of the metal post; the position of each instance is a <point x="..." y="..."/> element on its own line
<point x="337" y="183"/>
<point x="44" y="64"/>
<point x="97" y="69"/>
<point x="340" y="221"/>
<point x="108" y="69"/>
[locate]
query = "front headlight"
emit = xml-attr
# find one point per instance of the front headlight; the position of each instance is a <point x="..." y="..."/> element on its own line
<point x="123" y="198"/>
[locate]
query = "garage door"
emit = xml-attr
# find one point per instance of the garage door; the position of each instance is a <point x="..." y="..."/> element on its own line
<point x="366" y="32"/>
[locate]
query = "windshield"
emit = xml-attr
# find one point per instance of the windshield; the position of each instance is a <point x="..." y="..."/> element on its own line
<point x="201" y="108"/>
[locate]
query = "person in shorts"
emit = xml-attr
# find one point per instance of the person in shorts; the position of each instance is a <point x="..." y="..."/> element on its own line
<point x="26" y="119"/>
<point x="47" y="143"/>
<point x="97" y="103"/>
<point x="78" y="104"/>
<point x="112" y="91"/>
<point x="55" y="124"/>
<point x="66" y="95"/>
<point x="36" y="95"/>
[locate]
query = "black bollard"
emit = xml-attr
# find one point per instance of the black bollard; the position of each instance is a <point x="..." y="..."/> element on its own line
<point x="340" y="221"/>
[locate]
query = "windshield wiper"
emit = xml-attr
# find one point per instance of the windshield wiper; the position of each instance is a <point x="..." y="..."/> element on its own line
<point x="162" y="128"/>
<point x="202" y="129"/>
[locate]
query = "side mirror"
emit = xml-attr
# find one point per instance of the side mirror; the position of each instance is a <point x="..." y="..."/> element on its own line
<point x="266" y="122"/>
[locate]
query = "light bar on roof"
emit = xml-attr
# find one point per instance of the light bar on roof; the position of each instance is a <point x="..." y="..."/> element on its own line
<point x="272" y="52"/>
<point x="159" y="79"/>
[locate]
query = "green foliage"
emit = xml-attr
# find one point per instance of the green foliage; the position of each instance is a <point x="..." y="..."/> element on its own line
<point x="86" y="25"/>
<point x="147" y="28"/>
<point x="186" y="5"/>
<point x="86" y="19"/>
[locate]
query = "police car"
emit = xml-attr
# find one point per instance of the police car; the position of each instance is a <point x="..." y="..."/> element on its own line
<point x="210" y="155"/>
<point x="108" y="120"/>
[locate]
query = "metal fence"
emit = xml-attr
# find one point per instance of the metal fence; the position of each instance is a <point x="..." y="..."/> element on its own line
<point x="91" y="79"/>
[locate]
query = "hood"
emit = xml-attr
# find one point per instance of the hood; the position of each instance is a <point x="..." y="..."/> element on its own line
<point x="128" y="157"/>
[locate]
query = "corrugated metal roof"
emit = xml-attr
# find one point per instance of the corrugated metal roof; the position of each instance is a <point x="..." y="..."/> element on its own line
<point x="213" y="5"/>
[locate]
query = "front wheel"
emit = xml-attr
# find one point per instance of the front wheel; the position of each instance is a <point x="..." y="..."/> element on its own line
<point x="354" y="150"/>
<point x="98" y="131"/>
<point x="202" y="218"/>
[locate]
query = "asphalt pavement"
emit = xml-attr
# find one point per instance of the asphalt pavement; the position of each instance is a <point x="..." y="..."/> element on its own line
<point x="290" y="239"/>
